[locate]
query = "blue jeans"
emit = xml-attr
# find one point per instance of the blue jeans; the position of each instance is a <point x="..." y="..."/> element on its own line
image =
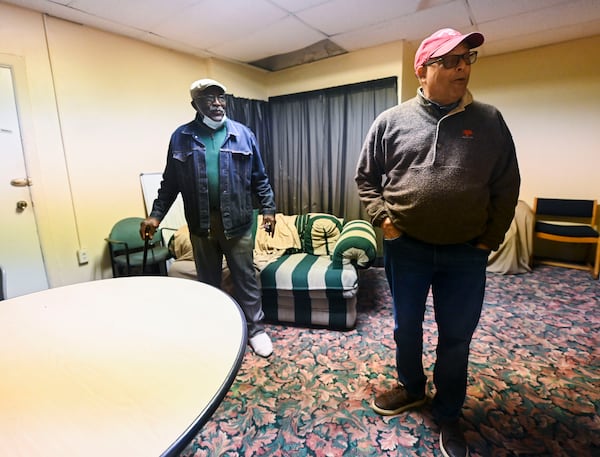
<point x="238" y="251"/>
<point x="456" y="275"/>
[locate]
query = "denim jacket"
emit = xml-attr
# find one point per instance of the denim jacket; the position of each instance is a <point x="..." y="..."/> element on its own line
<point x="242" y="178"/>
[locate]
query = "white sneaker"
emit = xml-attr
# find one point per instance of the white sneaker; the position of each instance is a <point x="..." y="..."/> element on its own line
<point x="261" y="344"/>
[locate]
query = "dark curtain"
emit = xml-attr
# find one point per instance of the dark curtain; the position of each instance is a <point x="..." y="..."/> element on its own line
<point x="255" y="115"/>
<point x="316" y="140"/>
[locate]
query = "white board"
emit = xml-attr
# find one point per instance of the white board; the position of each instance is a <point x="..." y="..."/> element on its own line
<point x="175" y="218"/>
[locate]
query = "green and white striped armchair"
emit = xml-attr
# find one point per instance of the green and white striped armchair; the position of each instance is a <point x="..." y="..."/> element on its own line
<point x="308" y="270"/>
<point x="317" y="283"/>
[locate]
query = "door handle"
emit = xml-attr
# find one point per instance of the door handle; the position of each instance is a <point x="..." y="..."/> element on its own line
<point x="20" y="182"/>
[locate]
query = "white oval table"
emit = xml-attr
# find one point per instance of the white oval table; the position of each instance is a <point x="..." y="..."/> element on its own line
<point x="118" y="367"/>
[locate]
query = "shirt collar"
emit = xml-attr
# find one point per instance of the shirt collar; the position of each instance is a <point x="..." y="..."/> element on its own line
<point x="467" y="99"/>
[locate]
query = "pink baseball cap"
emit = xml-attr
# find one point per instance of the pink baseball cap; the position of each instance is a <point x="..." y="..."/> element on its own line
<point x="442" y="42"/>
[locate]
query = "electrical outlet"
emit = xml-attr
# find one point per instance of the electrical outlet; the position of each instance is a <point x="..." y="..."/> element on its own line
<point x="82" y="256"/>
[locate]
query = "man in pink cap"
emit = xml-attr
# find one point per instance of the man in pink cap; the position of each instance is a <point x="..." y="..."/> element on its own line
<point x="448" y="194"/>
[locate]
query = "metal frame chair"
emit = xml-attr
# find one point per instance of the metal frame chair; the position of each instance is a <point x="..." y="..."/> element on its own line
<point x="568" y="221"/>
<point x="130" y="255"/>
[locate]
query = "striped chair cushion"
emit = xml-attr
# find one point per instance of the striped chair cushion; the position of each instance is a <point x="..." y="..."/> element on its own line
<point x="307" y="272"/>
<point x="357" y="244"/>
<point x="308" y="290"/>
<point x="318" y="232"/>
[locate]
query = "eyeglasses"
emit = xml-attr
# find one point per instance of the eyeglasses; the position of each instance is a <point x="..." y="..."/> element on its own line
<point x="210" y="98"/>
<point x="452" y="60"/>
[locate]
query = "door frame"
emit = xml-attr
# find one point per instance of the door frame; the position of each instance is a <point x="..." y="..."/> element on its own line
<point x="16" y="64"/>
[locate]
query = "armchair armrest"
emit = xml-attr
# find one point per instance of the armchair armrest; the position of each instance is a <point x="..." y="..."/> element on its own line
<point x="113" y="242"/>
<point x="123" y="246"/>
<point x="357" y="245"/>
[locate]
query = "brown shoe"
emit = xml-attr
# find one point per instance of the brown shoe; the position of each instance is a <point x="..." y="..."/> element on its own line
<point x="452" y="440"/>
<point x="395" y="401"/>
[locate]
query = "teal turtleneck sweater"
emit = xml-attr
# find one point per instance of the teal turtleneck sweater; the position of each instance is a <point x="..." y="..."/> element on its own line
<point x="213" y="139"/>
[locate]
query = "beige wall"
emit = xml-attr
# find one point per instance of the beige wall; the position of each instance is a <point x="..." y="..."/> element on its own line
<point x="550" y="98"/>
<point x="97" y="110"/>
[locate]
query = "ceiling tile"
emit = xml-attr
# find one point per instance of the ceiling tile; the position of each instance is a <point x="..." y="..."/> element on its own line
<point x="141" y="14"/>
<point x="294" y="6"/>
<point x="284" y="36"/>
<point x="206" y="23"/>
<point x="540" y="21"/>
<point x="487" y="10"/>
<point x="413" y="27"/>
<point x="339" y="16"/>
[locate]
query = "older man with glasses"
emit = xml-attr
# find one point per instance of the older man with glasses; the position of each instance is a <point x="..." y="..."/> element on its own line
<point x="439" y="175"/>
<point x="215" y="164"/>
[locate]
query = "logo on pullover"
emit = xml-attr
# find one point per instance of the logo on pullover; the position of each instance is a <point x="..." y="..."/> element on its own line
<point x="467" y="134"/>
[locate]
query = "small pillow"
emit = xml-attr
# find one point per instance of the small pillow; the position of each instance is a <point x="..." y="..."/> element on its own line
<point x="321" y="233"/>
<point x="180" y="244"/>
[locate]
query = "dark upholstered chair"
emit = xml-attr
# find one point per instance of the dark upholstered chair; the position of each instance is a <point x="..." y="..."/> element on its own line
<point x="568" y="221"/>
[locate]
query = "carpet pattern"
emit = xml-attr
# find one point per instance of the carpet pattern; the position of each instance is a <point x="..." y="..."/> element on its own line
<point x="534" y="380"/>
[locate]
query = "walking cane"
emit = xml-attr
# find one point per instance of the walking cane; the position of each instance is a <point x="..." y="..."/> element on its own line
<point x="145" y="258"/>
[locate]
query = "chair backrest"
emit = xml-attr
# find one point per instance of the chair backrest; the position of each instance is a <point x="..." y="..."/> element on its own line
<point x="585" y="210"/>
<point x="128" y="231"/>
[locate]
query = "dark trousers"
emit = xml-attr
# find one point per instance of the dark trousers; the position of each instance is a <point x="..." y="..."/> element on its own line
<point x="456" y="275"/>
<point x="208" y="255"/>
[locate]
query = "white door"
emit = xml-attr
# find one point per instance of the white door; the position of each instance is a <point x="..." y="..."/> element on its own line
<point x="20" y="251"/>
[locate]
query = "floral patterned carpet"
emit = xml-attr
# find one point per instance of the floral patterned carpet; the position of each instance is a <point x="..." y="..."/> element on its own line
<point x="534" y="384"/>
